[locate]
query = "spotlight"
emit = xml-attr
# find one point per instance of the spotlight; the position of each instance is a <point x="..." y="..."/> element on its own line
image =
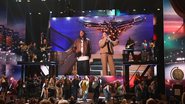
<point x="68" y="18"/>
<point x="39" y="13"/>
<point x="61" y="12"/>
<point x="81" y="17"/>
<point x="83" y="11"/>
<point x="28" y="1"/>
<point x="95" y="16"/>
<point x="144" y="9"/>
<point x="50" y="12"/>
<point x="30" y="13"/>
<point x="54" y="18"/>
<point x="43" y="0"/>
<point x="134" y="10"/>
<point x="158" y="9"/>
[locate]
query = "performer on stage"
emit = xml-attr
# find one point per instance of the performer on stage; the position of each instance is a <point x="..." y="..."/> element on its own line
<point x="152" y="50"/>
<point x="106" y="52"/>
<point x="130" y="47"/>
<point x="23" y="47"/>
<point x="45" y="47"/>
<point x="33" y="51"/>
<point x="144" y="53"/>
<point x="83" y="53"/>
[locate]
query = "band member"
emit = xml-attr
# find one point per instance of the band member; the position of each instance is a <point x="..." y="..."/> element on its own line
<point x="45" y="47"/>
<point x="144" y="53"/>
<point x="152" y="50"/>
<point x="84" y="87"/>
<point x="130" y="47"/>
<point x="83" y="52"/>
<point x="33" y="51"/>
<point x="4" y="84"/>
<point x="106" y="52"/>
<point x="23" y="50"/>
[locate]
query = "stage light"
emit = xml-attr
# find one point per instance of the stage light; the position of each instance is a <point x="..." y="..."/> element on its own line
<point x="68" y="18"/>
<point x="11" y="79"/>
<point x="54" y="18"/>
<point x="39" y="13"/>
<point x="83" y="11"/>
<point x="43" y="0"/>
<point x="96" y="16"/>
<point x="158" y="9"/>
<point x="81" y="17"/>
<point x="89" y="11"/>
<point x="28" y="1"/>
<point x="180" y="59"/>
<point x="50" y="12"/>
<point x="144" y="9"/>
<point x="61" y="12"/>
<point x="30" y="13"/>
<point x="164" y="42"/>
<point x="169" y="37"/>
<point x="134" y="10"/>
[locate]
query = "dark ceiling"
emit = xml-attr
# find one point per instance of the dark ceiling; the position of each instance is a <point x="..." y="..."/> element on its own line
<point x="57" y="6"/>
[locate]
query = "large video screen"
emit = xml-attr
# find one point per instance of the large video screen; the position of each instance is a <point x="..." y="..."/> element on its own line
<point x="65" y="30"/>
<point x="174" y="51"/>
<point x="173" y="35"/>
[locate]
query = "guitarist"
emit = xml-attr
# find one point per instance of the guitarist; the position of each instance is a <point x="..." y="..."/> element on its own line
<point x="45" y="47"/>
<point x="130" y="47"/>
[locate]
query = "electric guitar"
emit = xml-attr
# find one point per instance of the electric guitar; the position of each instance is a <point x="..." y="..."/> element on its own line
<point x="42" y="49"/>
<point x="128" y="46"/>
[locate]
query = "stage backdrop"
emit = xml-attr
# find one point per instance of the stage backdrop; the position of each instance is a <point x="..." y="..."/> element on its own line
<point x="65" y="30"/>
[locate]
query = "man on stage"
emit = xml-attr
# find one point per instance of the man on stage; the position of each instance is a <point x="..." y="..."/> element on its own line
<point x="83" y="53"/>
<point x="106" y="52"/>
<point x="130" y="47"/>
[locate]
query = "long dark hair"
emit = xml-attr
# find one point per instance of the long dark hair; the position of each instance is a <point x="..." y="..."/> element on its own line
<point x="84" y="36"/>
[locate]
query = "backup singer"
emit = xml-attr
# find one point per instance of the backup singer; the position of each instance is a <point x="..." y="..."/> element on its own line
<point x="83" y="52"/>
<point x="106" y="52"/>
